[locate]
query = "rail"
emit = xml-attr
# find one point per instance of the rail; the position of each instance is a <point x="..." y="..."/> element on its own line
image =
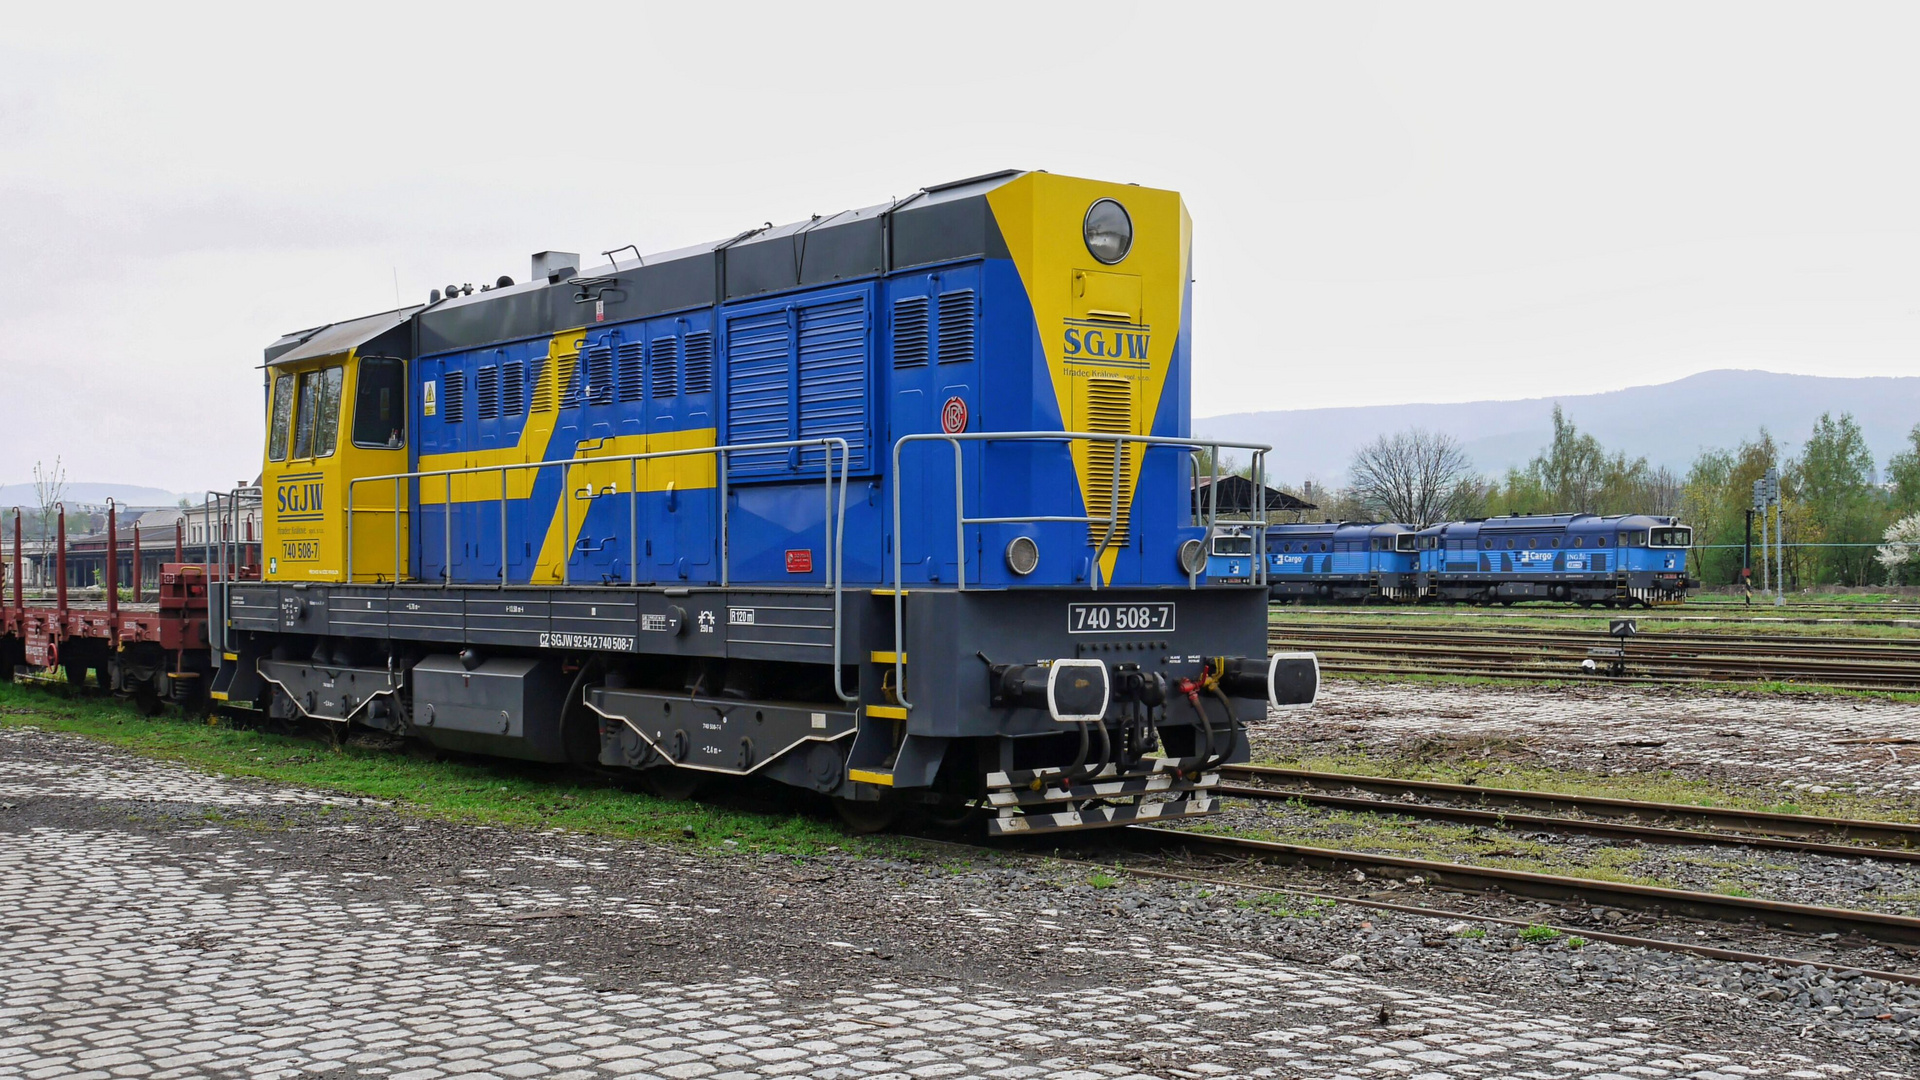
<point x="834" y="493"/>
<point x="1111" y="520"/>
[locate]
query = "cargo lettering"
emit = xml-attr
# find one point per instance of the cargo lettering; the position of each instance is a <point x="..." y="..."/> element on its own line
<point x="1104" y="344"/>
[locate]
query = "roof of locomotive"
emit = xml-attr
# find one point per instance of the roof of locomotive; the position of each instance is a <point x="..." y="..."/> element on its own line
<point x="1333" y="528"/>
<point x="940" y="223"/>
<point x="1552" y="523"/>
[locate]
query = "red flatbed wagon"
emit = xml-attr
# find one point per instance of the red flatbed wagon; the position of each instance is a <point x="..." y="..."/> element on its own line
<point x="152" y="652"/>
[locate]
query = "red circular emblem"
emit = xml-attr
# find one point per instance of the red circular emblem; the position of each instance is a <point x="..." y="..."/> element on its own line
<point x="953" y="416"/>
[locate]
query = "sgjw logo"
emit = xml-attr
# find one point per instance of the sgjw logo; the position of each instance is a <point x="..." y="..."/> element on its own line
<point x="302" y="498"/>
<point x="1115" y="344"/>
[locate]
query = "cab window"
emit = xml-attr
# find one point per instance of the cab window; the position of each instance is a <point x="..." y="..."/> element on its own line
<point x="316" y="424"/>
<point x="379" y="416"/>
<point x="282" y="413"/>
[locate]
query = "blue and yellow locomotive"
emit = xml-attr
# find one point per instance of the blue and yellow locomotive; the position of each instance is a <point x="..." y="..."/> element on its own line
<point x="893" y="504"/>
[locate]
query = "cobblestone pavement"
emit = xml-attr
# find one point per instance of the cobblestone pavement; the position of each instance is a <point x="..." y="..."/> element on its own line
<point x="1801" y="741"/>
<point x="182" y="949"/>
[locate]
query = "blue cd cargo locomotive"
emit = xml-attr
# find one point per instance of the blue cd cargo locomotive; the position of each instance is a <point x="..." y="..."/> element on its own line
<point x="892" y="504"/>
<point x="1611" y="561"/>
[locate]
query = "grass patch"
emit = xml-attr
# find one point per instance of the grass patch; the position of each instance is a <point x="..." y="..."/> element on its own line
<point x="1286" y="906"/>
<point x="1473" y="932"/>
<point x="1495" y="767"/>
<point x="1539" y="933"/>
<point x="1100" y="879"/>
<point x="468" y="791"/>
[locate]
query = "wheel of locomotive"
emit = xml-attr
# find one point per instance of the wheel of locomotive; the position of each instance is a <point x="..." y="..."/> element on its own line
<point x="865" y="817"/>
<point x="672" y="783"/>
<point x="148" y="703"/>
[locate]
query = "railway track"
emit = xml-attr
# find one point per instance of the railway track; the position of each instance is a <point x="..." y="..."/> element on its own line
<point x="1632" y="819"/>
<point x="1900" y="930"/>
<point x="1532" y="653"/>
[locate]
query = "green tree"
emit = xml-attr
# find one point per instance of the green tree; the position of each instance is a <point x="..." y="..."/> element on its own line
<point x="1903" y="476"/>
<point x="1574" y="474"/>
<point x="1714" y="499"/>
<point x="1833" y="478"/>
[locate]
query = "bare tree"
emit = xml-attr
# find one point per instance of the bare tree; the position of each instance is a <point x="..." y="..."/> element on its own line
<point x="49" y="487"/>
<point x="1415" y="477"/>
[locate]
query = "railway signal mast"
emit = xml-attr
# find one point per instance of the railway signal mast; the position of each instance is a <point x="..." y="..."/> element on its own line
<point x="1766" y="494"/>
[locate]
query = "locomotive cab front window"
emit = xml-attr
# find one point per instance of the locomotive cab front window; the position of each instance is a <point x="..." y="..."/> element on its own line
<point x="1404" y="542"/>
<point x="282" y="415"/>
<point x="1233" y="545"/>
<point x="379" y="413"/>
<point x="1672" y="538"/>
<point x="317" y="419"/>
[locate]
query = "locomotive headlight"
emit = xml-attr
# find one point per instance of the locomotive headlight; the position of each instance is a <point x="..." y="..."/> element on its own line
<point x="1022" y="555"/>
<point x="1193" y="556"/>
<point x="1108" y="230"/>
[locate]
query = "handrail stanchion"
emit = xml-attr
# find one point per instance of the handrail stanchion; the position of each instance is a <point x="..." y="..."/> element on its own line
<point x="503" y="526"/>
<point x="60" y="567"/>
<point x="633" y="521"/>
<point x="959" y="516"/>
<point x="899" y="627"/>
<point x="113" y="574"/>
<point x="349" y="530"/>
<point x="446" y="519"/>
<point x="1260" y="491"/>
<point x="839" y="567"/>
<point x="566" y="523"/>
<point x="726" y="546"/>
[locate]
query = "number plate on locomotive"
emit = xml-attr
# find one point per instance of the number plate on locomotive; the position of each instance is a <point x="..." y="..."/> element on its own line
<point x="1119" y="618"/>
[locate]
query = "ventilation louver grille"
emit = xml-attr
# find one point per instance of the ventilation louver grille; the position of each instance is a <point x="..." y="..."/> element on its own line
<point x="666" y="367"/>
<point x="699" y="363"/>
<point x="513" y="388"/>
<point x="910" y="332"/>
<point x="486" y="393"/>
<point x="1109" y="410"/>
<point x="956" y="326"/>
<point x="566" y="369"/>
<point x="632" y="363"/>
<point x="453" y="397"/>
<point x="543" y="391"/>
<point x="600" y="375"/>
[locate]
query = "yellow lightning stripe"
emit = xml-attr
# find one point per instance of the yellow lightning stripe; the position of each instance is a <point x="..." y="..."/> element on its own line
<point x="1141" y="296"/>
<point x="586" y="478"/>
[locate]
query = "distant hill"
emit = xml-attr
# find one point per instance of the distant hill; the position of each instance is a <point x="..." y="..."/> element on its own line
<point x="1667" y="424"/>
<point x="77" y="493"/>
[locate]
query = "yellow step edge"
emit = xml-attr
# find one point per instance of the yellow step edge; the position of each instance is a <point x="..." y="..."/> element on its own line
<point x="887" y="657"/>
<point x="231" y="655"/>
<point x="217" y="695"/>
<point x="887" y="712"/>
<point x="863" y="776"/>
<point x="891" y="592"/>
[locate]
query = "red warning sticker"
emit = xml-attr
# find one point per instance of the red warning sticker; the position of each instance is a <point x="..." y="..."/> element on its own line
<point x="800" y="561"/>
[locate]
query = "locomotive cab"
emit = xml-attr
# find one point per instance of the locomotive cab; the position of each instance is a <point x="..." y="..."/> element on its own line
<point x="336" y="411"/>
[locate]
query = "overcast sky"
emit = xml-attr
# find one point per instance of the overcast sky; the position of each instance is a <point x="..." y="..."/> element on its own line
<point x="1392" y="202"/>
